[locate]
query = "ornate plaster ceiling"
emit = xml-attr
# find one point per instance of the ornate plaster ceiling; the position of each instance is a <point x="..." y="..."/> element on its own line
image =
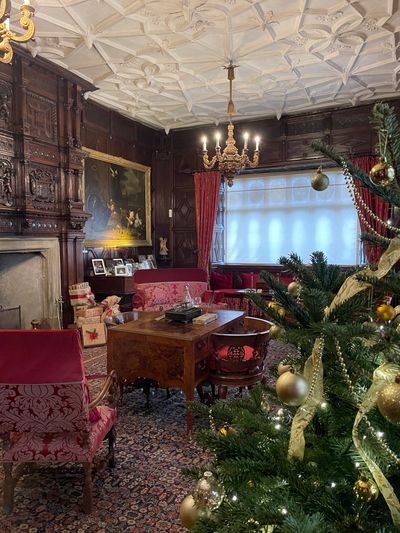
<point x="159" y="61"/>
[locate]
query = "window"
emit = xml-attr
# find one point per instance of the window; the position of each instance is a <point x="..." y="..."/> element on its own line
<point x="271" y="215"/>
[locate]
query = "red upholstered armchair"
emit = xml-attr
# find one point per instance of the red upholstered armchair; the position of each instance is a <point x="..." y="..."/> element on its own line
<point x="46" y="413"/>
<point x="238" y="358"/>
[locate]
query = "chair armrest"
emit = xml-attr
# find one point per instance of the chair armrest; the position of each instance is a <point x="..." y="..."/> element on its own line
<point x="110" y="386"/>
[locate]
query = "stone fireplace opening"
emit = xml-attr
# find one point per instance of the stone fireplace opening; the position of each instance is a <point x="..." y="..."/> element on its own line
<point x="30" y="277"/>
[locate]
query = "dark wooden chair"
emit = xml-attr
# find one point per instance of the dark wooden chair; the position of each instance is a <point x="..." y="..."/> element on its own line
<point x="238" y="358"/>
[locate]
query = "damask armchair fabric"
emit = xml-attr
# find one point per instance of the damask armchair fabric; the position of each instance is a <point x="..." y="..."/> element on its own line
<point x="46" y="410"/>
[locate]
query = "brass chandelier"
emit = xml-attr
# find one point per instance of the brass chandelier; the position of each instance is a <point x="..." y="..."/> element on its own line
<point x="6" y="35"/>
<point x="230" y="162"/>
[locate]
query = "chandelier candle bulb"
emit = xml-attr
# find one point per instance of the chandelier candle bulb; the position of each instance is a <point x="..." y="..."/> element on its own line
<point x="217" y="139"/>
<point x="7" y="23"/>
<point x="204" y="141"/>
<point x="246" y="138"/>
<point x="257" y="143"/>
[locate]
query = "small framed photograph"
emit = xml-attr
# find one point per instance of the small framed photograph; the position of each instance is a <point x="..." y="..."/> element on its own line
<point x="118" y="262"/>
<point x="129" y="261"/>
<point x="152" y="260"/>
<point x="99" y="268"/>
<point x="142" y="258"/>
<point x="93" y="334"/>
<point x="129" y="269"/>
<point x="120" y="270"/>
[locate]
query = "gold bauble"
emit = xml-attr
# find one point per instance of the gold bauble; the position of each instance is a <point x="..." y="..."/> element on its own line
<point x="320" y="181"/>
<point x="284" y="367"/>
<point x="291" y="388"/>
<point x="388" y="401"/>
<point x="293" y="289"/>
<point x="274" y="331"/>
<point x="208" y="493"/>
<point x="277" y="308"/>
<point x="365" y="489"/>
<point x="381" y="173"/>
<point x="250" y="483"/>
<point x="385" y="312"/>
<point x="188" y="512"/>
<point x="226" y="430"/>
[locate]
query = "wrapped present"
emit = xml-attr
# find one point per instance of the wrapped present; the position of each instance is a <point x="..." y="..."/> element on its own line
<point x="81" y="294"/>
<point x="80" y="320"/>
<point x="94" y="334"/>
<point x="86" y="312"/>
<point x="111" y="307"/>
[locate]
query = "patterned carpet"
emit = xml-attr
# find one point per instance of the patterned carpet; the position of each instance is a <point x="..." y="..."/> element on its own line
<point x="142" y="494"/>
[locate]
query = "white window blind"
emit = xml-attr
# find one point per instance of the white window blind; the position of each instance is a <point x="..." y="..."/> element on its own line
<point x="272" y="215"/>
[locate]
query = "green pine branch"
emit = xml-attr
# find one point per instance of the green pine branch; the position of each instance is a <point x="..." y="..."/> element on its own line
<point x="384" y="119"/>
<point x="375" y="240"/>
<point x="387" y="194"/>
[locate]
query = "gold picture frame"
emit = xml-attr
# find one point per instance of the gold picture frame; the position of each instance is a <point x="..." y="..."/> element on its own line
<point x="117" y="193"/>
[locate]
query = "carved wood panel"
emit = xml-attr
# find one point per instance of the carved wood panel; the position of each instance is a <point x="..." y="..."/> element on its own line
<point x="7" y="183"/>
<point x="6" y="145"/>
<point x="43" y="187"/>
<point x="41" y="117"/>
<point x="41" y="152"/>
<point x="6" y="107"/>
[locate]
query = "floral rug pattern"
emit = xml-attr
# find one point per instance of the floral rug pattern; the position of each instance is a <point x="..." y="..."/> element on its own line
<point x="142" y="494"/>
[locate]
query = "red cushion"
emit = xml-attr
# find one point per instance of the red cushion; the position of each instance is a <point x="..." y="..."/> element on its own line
<point x="249" y="280"/>
<point x="222" y="352"/>
<point x="221" y="281"/>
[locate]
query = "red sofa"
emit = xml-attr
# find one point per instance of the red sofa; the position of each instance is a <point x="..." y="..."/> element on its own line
<point x="161" y="288"/>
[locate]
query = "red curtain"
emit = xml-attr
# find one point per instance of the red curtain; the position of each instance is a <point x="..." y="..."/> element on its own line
<point x="377" y="206"/>
<point x="206" y="190"/>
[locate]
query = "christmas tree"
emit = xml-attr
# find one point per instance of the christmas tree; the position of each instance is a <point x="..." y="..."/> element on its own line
<point x="320" y="452"/>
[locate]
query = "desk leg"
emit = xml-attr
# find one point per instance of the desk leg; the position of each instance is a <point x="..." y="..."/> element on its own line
<point x="189" y="374"/>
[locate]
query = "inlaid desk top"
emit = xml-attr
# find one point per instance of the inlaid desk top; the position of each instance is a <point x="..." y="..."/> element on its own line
<point x="153" y="324"/>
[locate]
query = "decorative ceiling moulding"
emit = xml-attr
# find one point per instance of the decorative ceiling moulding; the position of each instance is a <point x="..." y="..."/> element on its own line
<point x="159" y="62"/>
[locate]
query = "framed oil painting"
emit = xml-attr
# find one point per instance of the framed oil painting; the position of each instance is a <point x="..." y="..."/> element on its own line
<point x="117" y="195"/>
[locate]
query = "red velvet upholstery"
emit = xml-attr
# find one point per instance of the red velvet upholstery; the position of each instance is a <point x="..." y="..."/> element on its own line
<point x="249" y="280"/>
<point x="222" y="353"/>
<point x="40" y="356"/>
<point x="221" y="281"/>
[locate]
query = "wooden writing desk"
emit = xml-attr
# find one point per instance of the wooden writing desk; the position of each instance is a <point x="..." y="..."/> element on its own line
<point x="171" y="353"/>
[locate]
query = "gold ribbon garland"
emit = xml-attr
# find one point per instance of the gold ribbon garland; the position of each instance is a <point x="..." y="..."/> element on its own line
<point x="313" y="371"/>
